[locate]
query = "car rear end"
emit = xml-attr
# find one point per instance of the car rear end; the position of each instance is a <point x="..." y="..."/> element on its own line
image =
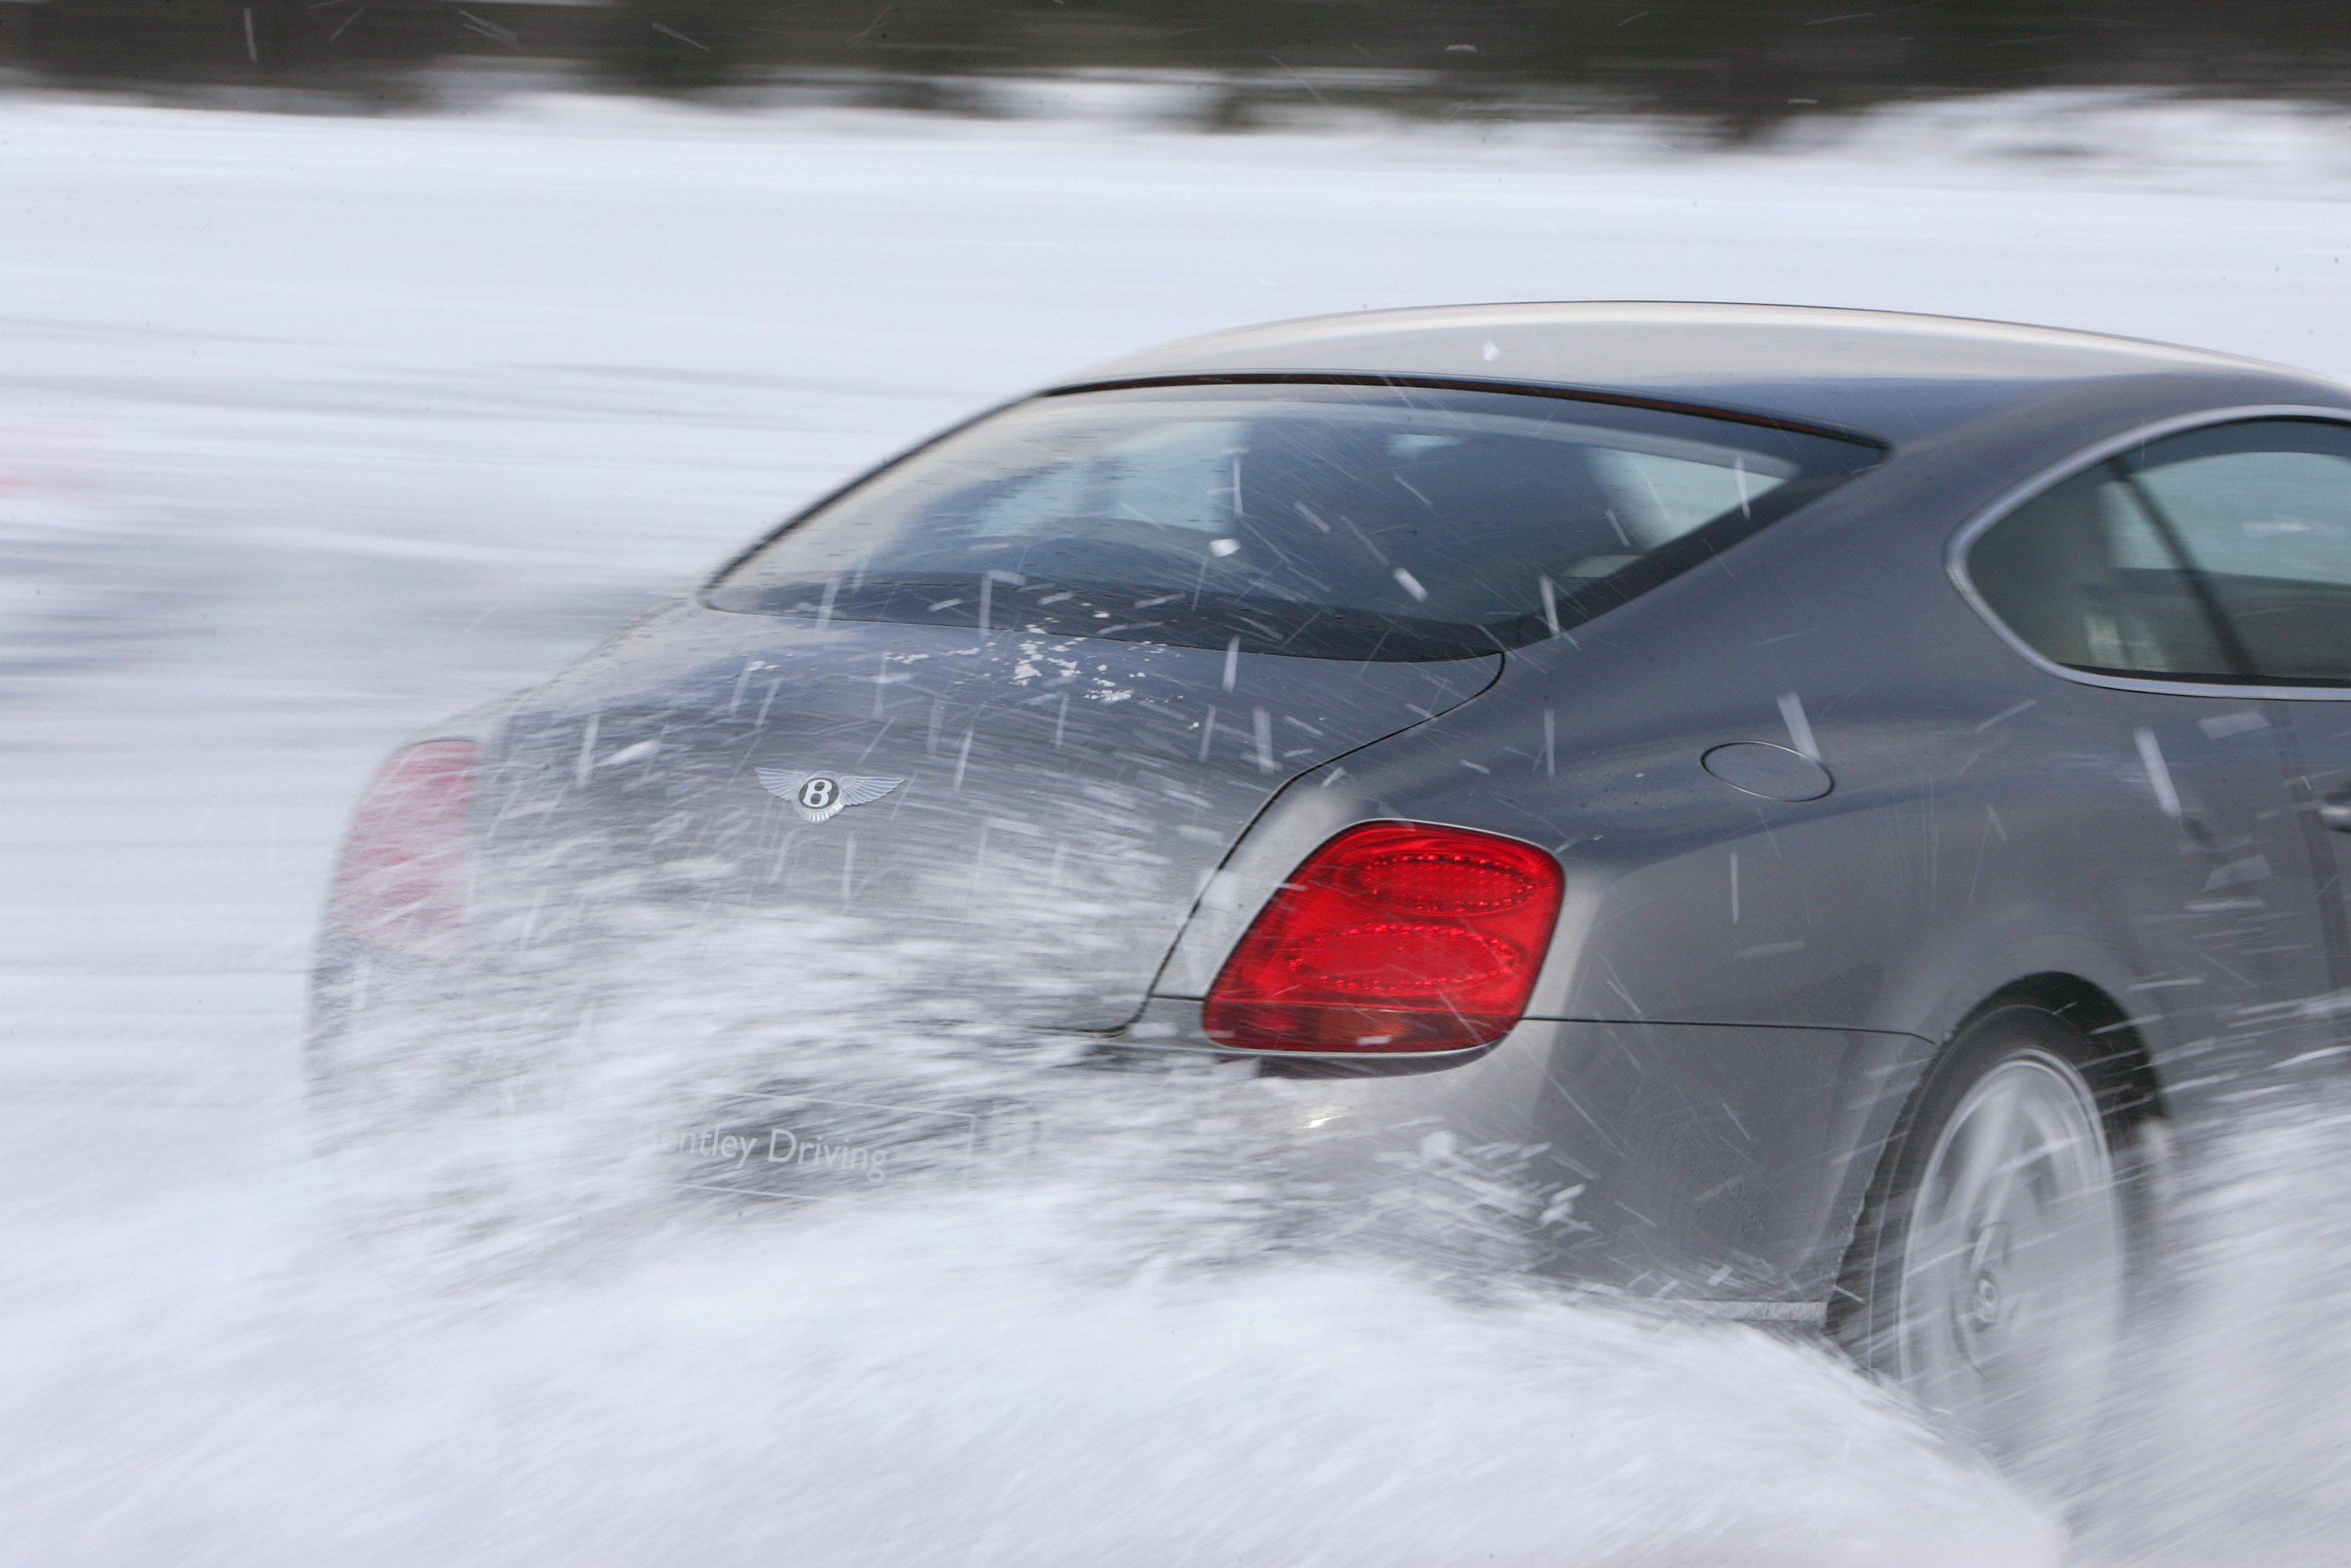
<point x="1105" y="674"/>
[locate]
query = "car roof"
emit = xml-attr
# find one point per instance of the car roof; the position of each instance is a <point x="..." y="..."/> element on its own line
<point x="1877" y="372"/>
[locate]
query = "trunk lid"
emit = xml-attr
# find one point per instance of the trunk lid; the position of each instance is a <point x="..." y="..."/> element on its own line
<point x="1059" y="801"/>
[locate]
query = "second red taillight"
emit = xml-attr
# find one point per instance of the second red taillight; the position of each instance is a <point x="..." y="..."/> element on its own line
<point x="400" y="887"/>
<point x="1393" y="936"/>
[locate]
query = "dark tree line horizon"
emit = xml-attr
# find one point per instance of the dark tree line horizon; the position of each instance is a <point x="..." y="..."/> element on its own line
<point x="1741" y="64"/>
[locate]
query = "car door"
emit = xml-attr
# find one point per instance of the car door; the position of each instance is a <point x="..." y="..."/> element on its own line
<point x="2262" y="511"/>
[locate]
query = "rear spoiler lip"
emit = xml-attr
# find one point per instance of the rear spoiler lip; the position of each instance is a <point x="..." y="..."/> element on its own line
<point x="1565" y="391"/>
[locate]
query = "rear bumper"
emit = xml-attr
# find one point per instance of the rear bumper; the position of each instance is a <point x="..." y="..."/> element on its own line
<point x="1717" y="1165"/>
<point x="1712" y="1170"/>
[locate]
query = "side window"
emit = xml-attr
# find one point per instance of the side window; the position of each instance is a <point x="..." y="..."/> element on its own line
<point x="2082" y="574"/>
<point x="2263" y="512"/>
<point x="2222" y="554"/>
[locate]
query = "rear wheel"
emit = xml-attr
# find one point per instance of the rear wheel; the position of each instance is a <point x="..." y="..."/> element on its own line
<point x="1989" y="1276"/>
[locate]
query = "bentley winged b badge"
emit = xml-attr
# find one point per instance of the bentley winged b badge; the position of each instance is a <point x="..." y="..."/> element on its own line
<point x="818" y="797"/>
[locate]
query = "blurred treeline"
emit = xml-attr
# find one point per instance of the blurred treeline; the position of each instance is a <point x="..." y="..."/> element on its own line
<point x="1741" y="64"/>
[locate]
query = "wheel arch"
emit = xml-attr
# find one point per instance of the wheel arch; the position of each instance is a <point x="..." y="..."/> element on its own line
<point x="2130" y="1087"/>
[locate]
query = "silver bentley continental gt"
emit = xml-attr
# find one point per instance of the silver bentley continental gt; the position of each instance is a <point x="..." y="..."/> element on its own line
<point x="1840" y="804"/>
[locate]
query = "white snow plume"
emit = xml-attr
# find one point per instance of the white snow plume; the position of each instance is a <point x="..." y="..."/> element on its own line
<point x="927" y="1385"/>
<point x="2238" y="1408"/>
<point x="1104" y="1353"/>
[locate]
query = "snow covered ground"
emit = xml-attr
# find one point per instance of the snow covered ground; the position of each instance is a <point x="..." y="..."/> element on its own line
<point x="314" y="429"/>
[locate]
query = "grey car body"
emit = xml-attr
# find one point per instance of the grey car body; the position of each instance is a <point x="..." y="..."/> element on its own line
<point x="1760" y="951"/>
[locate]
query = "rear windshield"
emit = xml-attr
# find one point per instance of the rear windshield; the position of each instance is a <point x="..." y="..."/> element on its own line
<point x="1321" y="520"/>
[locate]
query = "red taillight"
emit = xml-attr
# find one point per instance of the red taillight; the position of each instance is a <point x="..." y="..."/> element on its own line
<point x="400" y="884"/>
<point x="1392" y="937"/>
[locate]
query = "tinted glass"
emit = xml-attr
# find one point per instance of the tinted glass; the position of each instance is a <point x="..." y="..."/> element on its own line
<point x="1328" y="522"/>
<point x="2263" y="511"/>
<point x="2082" y="574"/>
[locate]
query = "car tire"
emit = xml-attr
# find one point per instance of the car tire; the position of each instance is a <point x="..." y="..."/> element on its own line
<point x="1990" y="1274"/>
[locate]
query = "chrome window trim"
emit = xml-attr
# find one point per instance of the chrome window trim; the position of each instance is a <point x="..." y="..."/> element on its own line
<point x="1955" y="556"/>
